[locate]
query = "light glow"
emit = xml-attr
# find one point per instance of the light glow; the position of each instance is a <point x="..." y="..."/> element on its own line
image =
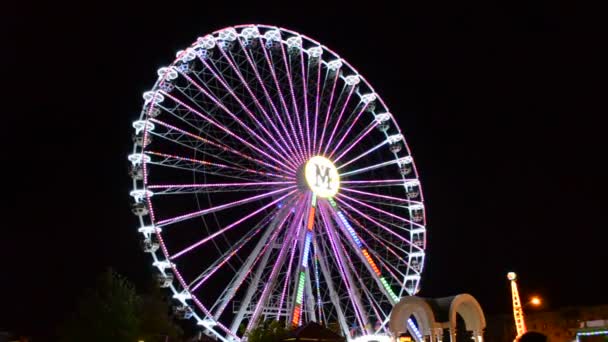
<point x="322" y="177"/>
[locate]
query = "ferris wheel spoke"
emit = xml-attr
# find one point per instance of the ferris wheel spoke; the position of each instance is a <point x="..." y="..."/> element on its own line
<point x="305" y="74"/>
<point x="272" y="70"/>
<point x="166" y="189"/>
<point x="369" y="168"/>
<point x="170" y="132"/>
<point x="336" y="124"/>
<point x="277" y="114"/>
<point x="280" y="259"/>
<point x="209" y="167"/>
<point x="362" y="250"/>
<point x="317" y="101"/>
<point x="378" y="224"/>
<point x="354" y="143"/>
<point x="221" y="207"/>
<point x="231" y="252"/>
<point x="226" y="130"/>
<point x="359" y="156"/>
<point x="256" y="101"/>
<point x="385" y="243"/>
<point x="331" y="99"/>
<point x="327" y="275"/>
<point x="350" y="127"/>
<point x="386" y="197"/>
<point x="258" y="254"/>
<point x="287" y="276"/>
<point x="347" y="277"/>
<point x="219" y="104"/>
<point x="293" y="98"/>
<point x="381" y="210"/>
<point x="241" y="103"/>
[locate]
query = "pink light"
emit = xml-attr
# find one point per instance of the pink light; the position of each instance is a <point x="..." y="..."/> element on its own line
<point x="348" y="131"/>
<point x="230" y="226"/>
<point x="314" y="140"/>
<point x="282" y="99"/>
<point x="306" y="114"/>
<point x="234" y="117"/>
<point x="222" y="207"/>
<point x="337" y="123"/>
<point x="293" y="250"/>
<point x="221" y="146"/>
<point x="225" y="260"/>
<point x="229" y="132"/>
<point x="293" y="97"/>
<point x="269" y="99"/>
<point x="374" y="181"/>
<point x="275" y="269"/>
<point x="331" y="99"/>
<point x="340" y="263"/>
<point x="381" y="211"/>
<point x="239" y="100"/>
<point x="350" y="146"/>
<point x="202" y="162"/>
<point x="213" y="185"/>
<point x="378" y="195"/>
<point x="378" y="224"/>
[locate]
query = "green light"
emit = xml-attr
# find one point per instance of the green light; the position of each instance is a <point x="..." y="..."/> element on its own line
<point x="332" y="202"/>
<point x="314" y="200"/>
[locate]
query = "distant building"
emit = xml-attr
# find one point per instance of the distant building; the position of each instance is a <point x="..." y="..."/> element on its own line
<point x="561" y="325"/>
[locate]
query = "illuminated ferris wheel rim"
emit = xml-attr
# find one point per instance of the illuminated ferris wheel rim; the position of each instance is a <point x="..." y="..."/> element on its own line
<point x="146" y="125"/>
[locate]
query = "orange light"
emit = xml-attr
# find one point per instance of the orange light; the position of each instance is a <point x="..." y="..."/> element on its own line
<point x="311" y="218"/>
<point x="535" y="301"/>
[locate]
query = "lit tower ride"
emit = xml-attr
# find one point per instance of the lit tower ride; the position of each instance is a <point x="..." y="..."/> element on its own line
<point x="518" y="312"/>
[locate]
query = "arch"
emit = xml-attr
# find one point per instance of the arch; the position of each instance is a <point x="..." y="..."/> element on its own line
<point x="411" y="306"/>
<point x="470" y="310"/>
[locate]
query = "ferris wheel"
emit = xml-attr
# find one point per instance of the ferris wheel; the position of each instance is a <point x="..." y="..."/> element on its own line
<point x="271" y="182"/>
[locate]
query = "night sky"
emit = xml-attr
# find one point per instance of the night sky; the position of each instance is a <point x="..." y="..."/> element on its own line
<point x="500" y="107"/>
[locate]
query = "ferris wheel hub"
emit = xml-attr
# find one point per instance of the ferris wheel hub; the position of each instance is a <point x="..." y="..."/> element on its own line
<point x="321" y="176"/>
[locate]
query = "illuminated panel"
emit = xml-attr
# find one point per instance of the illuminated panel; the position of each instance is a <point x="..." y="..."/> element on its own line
<point x="364" y="251"/>
<point x="297" y="311"/>
<point x="370" y="261"/>
<point x="414" y="329"/>
<point x="306" y="249"/>
<point x="388" y="288"/>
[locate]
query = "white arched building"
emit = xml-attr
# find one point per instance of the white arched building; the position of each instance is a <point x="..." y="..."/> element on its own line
<point x="433" y="315"/>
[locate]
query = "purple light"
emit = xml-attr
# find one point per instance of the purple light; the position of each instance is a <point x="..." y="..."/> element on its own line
<point x="350" y="146"/>
<point x="337" y="123"/>
<point x="378" y="195"/>
<point x="282" y="100"/>
<point x="269" y="99"/>
<point x="234" y="117"/>
<point x="229" y="132"/>
<point x="331" y="99"/>
<point x="214" y="185"/>
<point x="377" y="223"/>
<point x="332" y="242"/>
<point x="244" y="107"/>
<point x="221" y="231"/>
<point x="352" y="124"/>
<point x="221" y="146"/>
<point x="381" y="211"/>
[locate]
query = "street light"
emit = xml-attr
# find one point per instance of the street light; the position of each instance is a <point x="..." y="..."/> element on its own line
<point x="535" y="301"/>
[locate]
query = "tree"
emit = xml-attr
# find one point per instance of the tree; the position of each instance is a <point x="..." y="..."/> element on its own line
<point x="108" y="312"/>
<point x="114" y="311"/>
<point x="268" y="331"/>
<point x="155" y="322"/>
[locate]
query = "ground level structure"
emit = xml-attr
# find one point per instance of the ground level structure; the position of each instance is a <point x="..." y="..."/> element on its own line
<point x="436" y="315"/>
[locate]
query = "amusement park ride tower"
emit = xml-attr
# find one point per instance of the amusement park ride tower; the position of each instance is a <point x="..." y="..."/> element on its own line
<point x="518" y="312"/>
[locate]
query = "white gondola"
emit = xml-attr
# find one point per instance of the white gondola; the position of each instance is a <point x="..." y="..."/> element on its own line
<point x="149" y="245"/>
<point x="140" y="209"/>
<point x="164" y="280"/>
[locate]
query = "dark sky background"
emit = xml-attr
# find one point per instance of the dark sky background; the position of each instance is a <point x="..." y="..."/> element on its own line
<point x="501" y="107"/>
